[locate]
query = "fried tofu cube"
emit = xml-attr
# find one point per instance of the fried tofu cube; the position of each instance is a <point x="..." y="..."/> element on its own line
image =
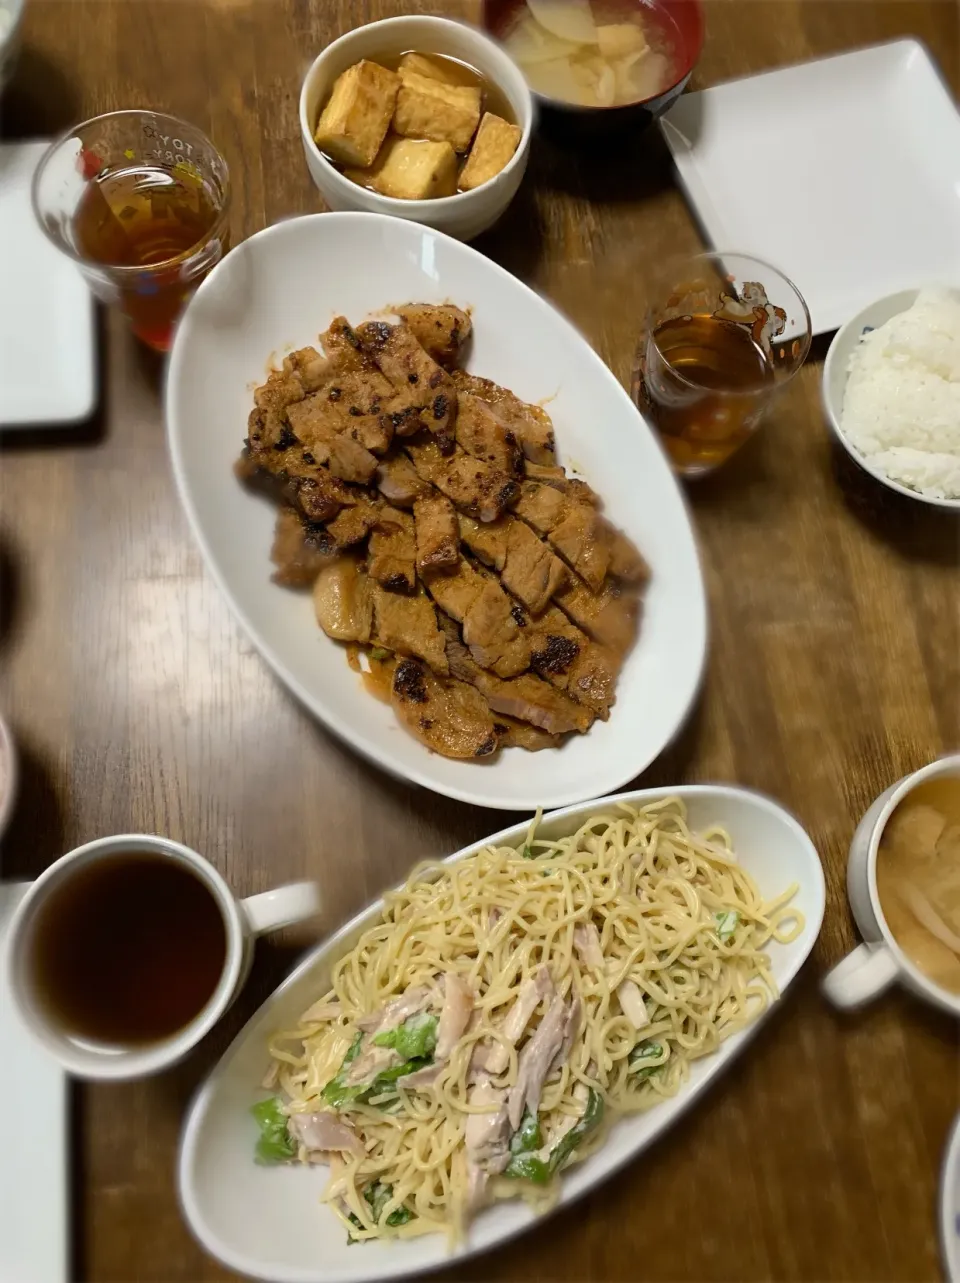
<point x="411" y="169"/>
<point x="443" y="113"/>
<point x="494" y="145"/>
<point x="355" y="121"/>
<point x="423" y="64"/>
<point x="620" y="39"/>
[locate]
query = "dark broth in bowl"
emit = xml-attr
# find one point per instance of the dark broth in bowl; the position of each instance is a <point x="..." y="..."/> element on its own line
<point x="918" y="878"/>
<point x="594" y="53"/>
<point x="128" y="949"/>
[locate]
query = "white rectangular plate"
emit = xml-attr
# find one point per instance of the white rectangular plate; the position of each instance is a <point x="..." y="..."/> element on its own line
<point x="843" y="172"/>
<point x="33" y="1145"/>
<point x="268" y="1222"/>
<point x="47" y="373"/>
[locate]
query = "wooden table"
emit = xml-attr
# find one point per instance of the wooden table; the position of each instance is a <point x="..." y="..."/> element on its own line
<point x="834" y="669"/>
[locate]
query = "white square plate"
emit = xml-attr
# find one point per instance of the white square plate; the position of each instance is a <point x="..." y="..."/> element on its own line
<point x="46" y="311"/>
<point x="843" y="172"/>
<point x="33" y="1145"/>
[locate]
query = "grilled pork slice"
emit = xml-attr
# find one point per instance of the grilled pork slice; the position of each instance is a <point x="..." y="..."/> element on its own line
<point x="324" y="442"/>
<point x="300" y="551"/>
<point x="408" y="626"/>
<point x="568" y="516"/>
<point x="490" y="628"/>
<point x="527" y="566"/>
<point x="526" y="698"/>
<point x="418" y="382"/>
<point x="530" y="423"/>
<point x="450" y="717"/>
<point x="352" y="524"/>
<point x="399" y="482"/>
<point x="626" y="562"/>
<point x="475" y="487"/>
<point x="393" y="551"/>
<point x="610" y="616"/>
<point x="440" y="328"/>
<point x="567" y="658"/>
<point x="483" y="432"/>
<point x="344" y="349"/>
<point x="343" y="601"/>
<point x="438" y="536"/>
<point x="514" y="734"/>
<point x="309" y="366"/>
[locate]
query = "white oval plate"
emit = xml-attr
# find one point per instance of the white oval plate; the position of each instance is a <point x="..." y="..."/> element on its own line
<point x="268" y="1222"/>
<point x="276" y="291"/>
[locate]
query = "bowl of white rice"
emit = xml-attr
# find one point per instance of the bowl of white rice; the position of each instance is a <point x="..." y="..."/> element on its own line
<point x="891" y="392"/>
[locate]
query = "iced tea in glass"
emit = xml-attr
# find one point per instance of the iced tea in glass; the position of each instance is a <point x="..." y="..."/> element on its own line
<point x="726" y="334"/>
<point x="141" y="201"/>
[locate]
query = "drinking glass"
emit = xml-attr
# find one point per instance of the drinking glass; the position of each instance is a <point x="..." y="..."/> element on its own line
<point x="140" y="201"/>
<point x="726" y="334"/>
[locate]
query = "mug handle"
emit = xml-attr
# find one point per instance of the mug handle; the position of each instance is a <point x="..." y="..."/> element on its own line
<point x="861" y="975"/>
<point x="281" y="907"/>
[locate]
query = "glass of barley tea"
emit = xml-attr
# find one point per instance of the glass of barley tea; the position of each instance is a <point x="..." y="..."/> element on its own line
<point x="725" y="334"/>
<point x="141" y="202"/>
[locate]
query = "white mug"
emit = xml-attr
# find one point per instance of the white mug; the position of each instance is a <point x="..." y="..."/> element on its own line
<point x="243" y="920"/>
<point x="874" y="965"/>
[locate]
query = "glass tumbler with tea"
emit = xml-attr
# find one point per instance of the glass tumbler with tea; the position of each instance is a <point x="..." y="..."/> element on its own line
<point x="141" y="202"/>
<point x="727" y="333"/>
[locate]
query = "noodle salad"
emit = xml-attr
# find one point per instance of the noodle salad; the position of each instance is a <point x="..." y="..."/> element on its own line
<point x="506" y="1008"/>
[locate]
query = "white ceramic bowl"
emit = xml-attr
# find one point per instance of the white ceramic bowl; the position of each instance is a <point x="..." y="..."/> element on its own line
<point x="835" y="381"/>
<point x="950" y="1206"/>
<point x="276" y="291"/>
<point x="268" y="1222"/>
<point x="466" y="214"/>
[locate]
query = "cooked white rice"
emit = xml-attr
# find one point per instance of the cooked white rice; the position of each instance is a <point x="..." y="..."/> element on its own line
<point x="901" y="407"/>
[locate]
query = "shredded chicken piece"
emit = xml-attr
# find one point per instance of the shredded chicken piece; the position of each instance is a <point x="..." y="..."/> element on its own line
<point x="324" y="1131"/>
<point x="586" y="941"/>
<point x="631" y="1001"/>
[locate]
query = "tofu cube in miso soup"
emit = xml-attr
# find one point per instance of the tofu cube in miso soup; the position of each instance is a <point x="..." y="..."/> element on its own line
<point x="428" y="108"/>
<point x="355" y="121"/>
<point x="493" y="147"/>
<point x="620" y="40"/>
<point x="411" y="169"/>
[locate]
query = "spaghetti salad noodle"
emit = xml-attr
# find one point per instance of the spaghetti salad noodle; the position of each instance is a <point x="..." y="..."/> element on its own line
<point x="507" y="1007"/>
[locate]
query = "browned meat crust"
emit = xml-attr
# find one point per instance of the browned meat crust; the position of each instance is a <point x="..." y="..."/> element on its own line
<point x="300" y="551"/>
<point x="393" y="551"/>
<point x="440" y="328"/>
<point x="504" y="604"/>
<point x="450" y="717"/>
<point x="438" y="535"/>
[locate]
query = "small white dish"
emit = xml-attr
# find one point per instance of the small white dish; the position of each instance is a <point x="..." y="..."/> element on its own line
<point x="844" y="172"/>
<point x="33" y="1143"/>
<point x="47" y="357"/>
<point x="835" y="374"/>
<point x="260" y="301"/>
<point x="950" y="1206"/>
<point x="244" y="921"/>
<point x="267" y="1222"/>
<point x="877" y="963"/>
<point x="466" y="214"/>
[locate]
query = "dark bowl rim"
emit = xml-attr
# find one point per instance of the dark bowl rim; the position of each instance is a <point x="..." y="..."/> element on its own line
<point x="576" y="108"/>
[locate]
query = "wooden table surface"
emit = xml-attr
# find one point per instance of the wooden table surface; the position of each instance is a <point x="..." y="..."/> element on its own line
<point x="834" y="669"/>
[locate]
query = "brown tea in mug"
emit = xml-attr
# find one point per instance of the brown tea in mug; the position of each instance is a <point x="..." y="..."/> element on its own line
<point x="128" y="949"/>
